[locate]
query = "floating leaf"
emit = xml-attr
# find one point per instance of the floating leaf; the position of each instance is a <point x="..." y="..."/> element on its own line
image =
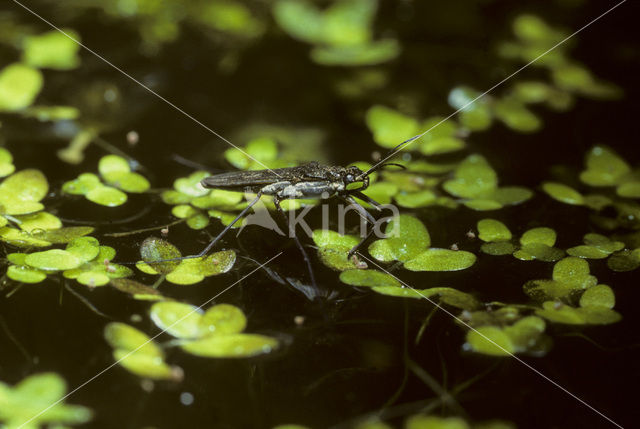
<point x="53" y="50"/>
<point x="408" y="237"/>
<point x="20" y="238"/>
<point x="106" y="196"/>
<point x="39" y="221"/>
<point x="598" y="296"/>
<point x="604" y="167"/>
<point x="6" y="162"/>
<point x="560" y="313"/>
<point x="231" y="346"/>
<point x="23" y="404"/>
<point x="498" y="248"/>
<point x="63" y="235"/>
<point x="84" y="248"/>
<point x="626" y="260"/>
<point x="137" y="289"/>
<point x="372" y="53"/>
<point x="390" y="127"/>
<point x="82" y="184"/>
<point x="369" y="278"/>
<point x="19" y="86"/>
<point x="563" y="193"/>
<point x="441" y="260"/>
<point x="493" y="230"/>
<point x="155" y="249"/>
<point x="53" y="260"/>
<point x="222" y="319"/>
<point x="490" y="340"/>
<point x="516" y="115"/>
<point x="177" y="319"/>
<point x="333" y="249"/>
<point x="24" y="274"/>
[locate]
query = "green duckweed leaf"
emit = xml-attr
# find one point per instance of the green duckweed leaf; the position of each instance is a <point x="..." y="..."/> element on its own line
<point x="19" y="86"/>
<point x="39" y="221"/>
<point x="26" y="401"/>
<point x="51" y="113"/>
<point x="222" y="319"/>
<point x="63" y="235"/>
<point x="300" y="19"/>
<point x="446" y="295"/>
<point x="106" y="196"/>
<point x="177" y="319"/>
<point x="598" y="296"/>
<point x="146" y="366"/>
<point x="136" y="289"/>
<point x="493" y="230"/>
<point x="498" y="248"/>
<point x="20" y="238"/>
<point x="129" y="182"/>
<point x="414" y="200"/>
<point x="626" y="260"/>
<point x="154" y="249"/>
<point x="563" y="193"/>
<point x="441" y="260"/>
<point x="333" y="249"/>
<point x="218" y="198"/>
<point x="380" y="192"/>
<point x="441" y="138"/>
<point x="84" y="248"/>
<point x="604" y="167"/>
<point x="539" y="251"/>
<point x="408" y="237"/>
<point x="191" y="185"/>
<point x="574" y="271"/>
<point x="592" y="315"/>
<point x="175" y="197"/>
<point x="511" y="195"/>
<point x="490" y="340"/>
<point x="6" y="162"/>
<point x="93" y="278"/>
<point x="28" y="185"/>
<point x="111" y="166"/>
<point x="474" y="178"/>
<point x="52" y="50"/>
<point x="128" y="338"/>
<point x="25" y="274"/>
<point x="525" y="333"/>
<point x="231" y="346"/>
<point x="475" y="113"/>
<point x="374" y="52"/>
<point x="53" y="260"/>
<point x="541" y="235"/>
<point x="514" y="114"/>
<point x="82" y="184"/>
<point x="369" y="278"/>
<point x="390" y="127"/>
<point x="260" y="150"/>
<point x="191" y="271"/>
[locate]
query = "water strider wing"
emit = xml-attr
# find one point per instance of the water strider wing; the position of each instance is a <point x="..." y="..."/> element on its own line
<point x="241" y="179"/>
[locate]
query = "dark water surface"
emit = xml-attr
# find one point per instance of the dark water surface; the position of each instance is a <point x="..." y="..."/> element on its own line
<point x="346" y="360"/>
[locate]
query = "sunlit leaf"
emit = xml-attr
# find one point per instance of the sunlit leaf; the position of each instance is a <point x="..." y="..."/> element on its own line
<point x="231" y="346"/>
<point x="19" y="86"/>
<point x="441" y="260"/>
<point x="53" y="50"/>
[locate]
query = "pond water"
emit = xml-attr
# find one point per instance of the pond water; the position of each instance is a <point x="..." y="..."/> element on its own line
<point x="351" y="353"/>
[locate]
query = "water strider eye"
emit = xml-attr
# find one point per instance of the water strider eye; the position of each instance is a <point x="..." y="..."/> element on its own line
<point x="349" y="178"/>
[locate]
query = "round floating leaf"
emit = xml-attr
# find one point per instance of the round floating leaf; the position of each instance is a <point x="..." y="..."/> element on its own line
<point x="191" y="185"/>
<point x="106" y="196"/>
<point x="541" y="290"/>
<point x="493" y="230"/>
<point x="371" y="53"/>
<point x="187" y="273"/>
<point x="446" y="295"/>
<point x="155" y="249"/>
<point x="144" y="365"/>
<point x="93" y="278"/>
<point x="380" y="192"/>
<point x="52" y="50"/>
<point x="19" y="238"/>
<point x="84" y="248"/>
<point x="137" y="289"/>
<point x="178" y="319"/>
<point x="231" y="346"/>
<point x="574" y="271"/>
<point x="511" y="195"/>
<point x="516" y="115"/>
<point x="539" y="251"/>
<point x="490" y="340"/>
<point x="24" y="274"/>
<point x="416" y="199"/>
<point x="598" y="296"/>
<point x="589" y="252"/>
<point x="390" y="127"/>
<point x="19" y="86"/>
<point x="334" y="248"/>
<point x="83" y="184"/>
<point x="498" y="248"/>
<point x="222" y="319"/>
<point x="474" y="177"/>
<point x="563" y="193"/>
<point x="63" y="235"/>
<point x="559" y="313"/>
<point x="53" y="260"/>
<point x="626" y="260"/>
<point x="629" y="190"/>
<point x="113" y="165"/>
<point x="174" y="197"/>
<point x="408" y="237"/>
<point x="25" y="185"/>
<point x="525" y="333"/>
<point x="39" y="221"/>
<point x="475" y="114"/>
<point x="542" y="235"/>
<point x="301" y="20"/>
<point x="441" y="260"/>
<point x="604" y="167"/>
<point x="127" y="338"/>
<point x="6" y="162"/>
<point x="369" y="278"/>
<point x="483" y="205"/>
<point x="130" y="182"/>
<point x="218" y="198"/>
<point x="217" y="263"/>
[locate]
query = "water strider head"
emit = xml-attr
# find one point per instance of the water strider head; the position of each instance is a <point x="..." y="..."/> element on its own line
<point x="353" y="174"/>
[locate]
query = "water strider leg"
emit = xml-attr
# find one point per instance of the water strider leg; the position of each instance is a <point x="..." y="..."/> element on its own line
<point x="212" y="243"/>
<point x="367" y="199"/>
<point x="365" y="215"/>
<point x="312" y="277"/>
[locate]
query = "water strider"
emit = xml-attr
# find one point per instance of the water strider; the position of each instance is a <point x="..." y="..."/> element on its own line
<point x="308" y="181"/>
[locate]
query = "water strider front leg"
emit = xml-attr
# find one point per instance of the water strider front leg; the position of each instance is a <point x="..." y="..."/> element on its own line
<point x="305" y="256"/>
<point x="363" y="214"/>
